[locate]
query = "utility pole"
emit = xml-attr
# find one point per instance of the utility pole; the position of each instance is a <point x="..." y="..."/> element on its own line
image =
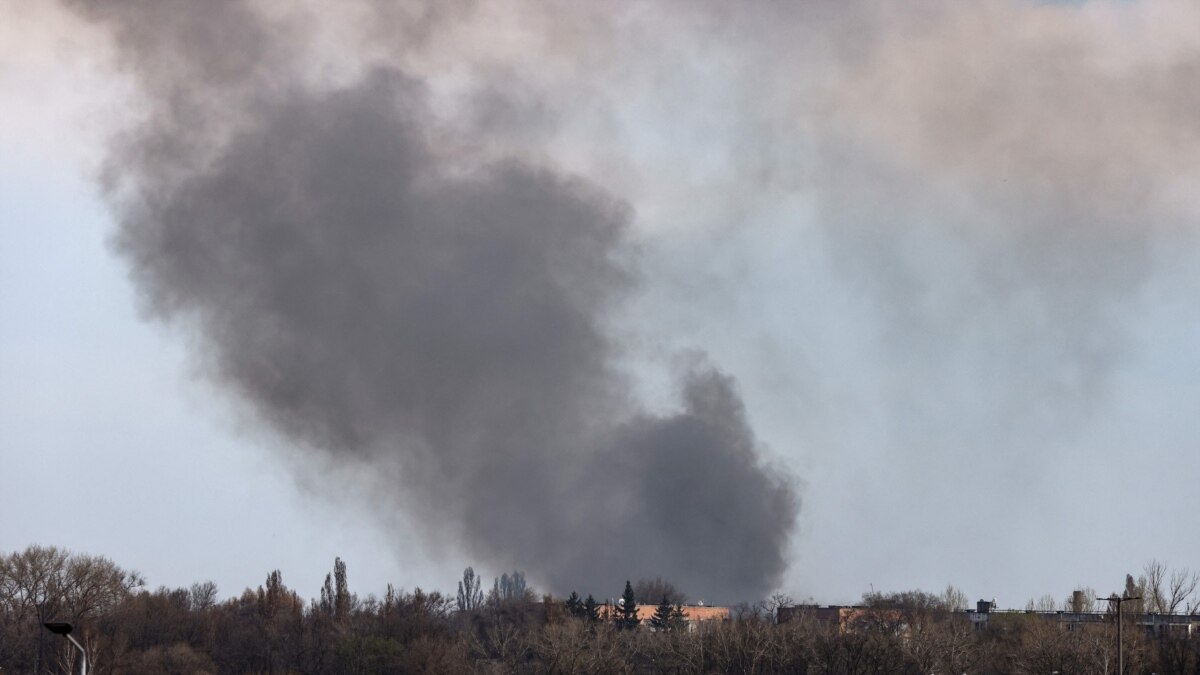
<point x="1120" y="624"/>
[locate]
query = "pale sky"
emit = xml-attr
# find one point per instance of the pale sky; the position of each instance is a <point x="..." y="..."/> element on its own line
<point x="949" y="255"/>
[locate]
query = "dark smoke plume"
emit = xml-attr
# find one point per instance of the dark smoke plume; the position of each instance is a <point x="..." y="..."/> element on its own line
<point x="381" y="298"/>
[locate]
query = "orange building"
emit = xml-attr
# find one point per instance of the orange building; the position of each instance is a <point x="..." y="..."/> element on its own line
<point x="692" y="614"/>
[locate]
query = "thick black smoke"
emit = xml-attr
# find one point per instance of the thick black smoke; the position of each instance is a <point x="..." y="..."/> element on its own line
<point x="381" y="298"/>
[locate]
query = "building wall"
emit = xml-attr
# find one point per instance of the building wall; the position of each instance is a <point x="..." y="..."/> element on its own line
<point x="692" y="613"/>
<point x="863" y="618"/>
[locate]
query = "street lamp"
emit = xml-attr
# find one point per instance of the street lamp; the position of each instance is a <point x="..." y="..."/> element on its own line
<point x="64" y="629"/>
<point x="1120" y="645"/>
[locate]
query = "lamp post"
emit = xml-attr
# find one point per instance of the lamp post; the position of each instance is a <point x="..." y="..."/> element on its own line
<point x="64" y="629"/>
<point x="1120" y="643"/>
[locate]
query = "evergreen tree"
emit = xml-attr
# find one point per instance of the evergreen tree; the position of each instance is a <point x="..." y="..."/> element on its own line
<point x="629" y="617"/>
<point x="678" y="618"/>
<point x="591" y="611"/>
<point x="575" y="605"/>
<point x="662" y="616"/>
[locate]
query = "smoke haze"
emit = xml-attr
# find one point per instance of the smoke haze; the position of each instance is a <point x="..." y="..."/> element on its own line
<point x="941" y="246"/>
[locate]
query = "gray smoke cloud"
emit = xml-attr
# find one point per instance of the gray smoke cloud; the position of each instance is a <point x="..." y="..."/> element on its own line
<point x="388" y="294"/>
<point x="944" y="246"/>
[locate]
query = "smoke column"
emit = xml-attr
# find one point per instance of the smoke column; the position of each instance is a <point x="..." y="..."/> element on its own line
<point x="949" y="249"/>
<point x="386" y="294"/>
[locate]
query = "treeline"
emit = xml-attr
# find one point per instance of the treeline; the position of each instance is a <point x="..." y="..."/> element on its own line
<point x="507" y="628"/>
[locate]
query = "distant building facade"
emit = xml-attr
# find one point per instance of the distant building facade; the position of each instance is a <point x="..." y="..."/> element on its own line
<point x="857" y="618"/>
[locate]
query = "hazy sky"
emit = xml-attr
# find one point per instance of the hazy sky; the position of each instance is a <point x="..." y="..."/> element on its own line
<point x="947" y="252"/>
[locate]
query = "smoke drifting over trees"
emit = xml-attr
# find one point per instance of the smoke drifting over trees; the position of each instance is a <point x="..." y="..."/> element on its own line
<point x="947" y="249"/>
<point x="379" y="294"/>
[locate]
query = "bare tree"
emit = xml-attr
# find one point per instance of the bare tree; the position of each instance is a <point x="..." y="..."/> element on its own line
<point x="203" y="595"/>
<point x="953" y="599"/>
<point x="1046" y="603"/>
<point x="1155" y="583"/>
<point x="176" y="658"/>
<point x="1081" y="600"/>
<point x="470" y="591"/>
<point x="44" y="582"/>
<point x="510" y="588"/>
<point x="776" y="601"/>
<point x="1180" y="588"/>
<point x="341" y="593"/>
<point x="1166" y="591"/>
<point x="941" y="645"/>
<point x="1136" y="590"/>
<point x="912" y="600"/>
<point x="651" y="590"/>
<point x="1043" y="647"/>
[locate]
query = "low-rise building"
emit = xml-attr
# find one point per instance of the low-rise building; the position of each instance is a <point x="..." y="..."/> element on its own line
<point x="692" y="614"/>
<point x="985" y="614"/>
